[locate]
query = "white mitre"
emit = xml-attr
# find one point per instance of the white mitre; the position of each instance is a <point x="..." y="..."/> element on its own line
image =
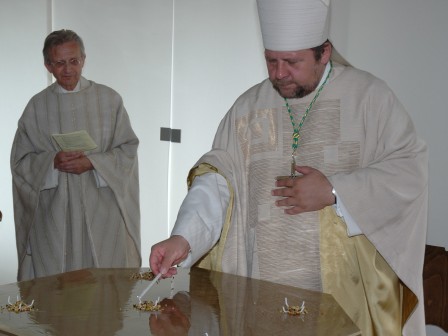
<point x="291" y="25"/>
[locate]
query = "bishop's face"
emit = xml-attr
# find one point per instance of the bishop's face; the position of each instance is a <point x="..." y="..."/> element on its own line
<point x="294" y="74"/>
<point x="66" y="63"/>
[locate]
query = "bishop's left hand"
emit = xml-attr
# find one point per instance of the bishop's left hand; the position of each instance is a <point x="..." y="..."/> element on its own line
<point x="310" y="191"/>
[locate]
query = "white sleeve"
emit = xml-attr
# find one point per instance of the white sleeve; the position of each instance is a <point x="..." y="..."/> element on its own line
<point x="51" y="179"/>
<point x="202" y="214"/>
<point x="100" y="182"/>
<point x="352" y="227"/>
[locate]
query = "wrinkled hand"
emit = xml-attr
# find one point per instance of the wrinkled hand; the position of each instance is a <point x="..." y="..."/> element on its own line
<point x="72" y="162"/>
<point x="309" y="192"/>
<point x="168" y="253"/>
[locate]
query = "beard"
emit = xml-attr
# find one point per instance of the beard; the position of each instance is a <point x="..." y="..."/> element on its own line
<point x="299" y="91"/>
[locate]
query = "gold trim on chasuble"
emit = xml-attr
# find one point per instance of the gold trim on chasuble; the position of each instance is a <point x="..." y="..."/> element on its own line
<point x="359" y="278"/>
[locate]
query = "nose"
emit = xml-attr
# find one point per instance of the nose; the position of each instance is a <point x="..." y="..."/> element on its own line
<point x="281" y="71"/>
<point x="68" y="66"/>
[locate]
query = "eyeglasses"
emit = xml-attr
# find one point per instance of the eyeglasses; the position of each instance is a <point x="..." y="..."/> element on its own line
<point x="61" y="64"/>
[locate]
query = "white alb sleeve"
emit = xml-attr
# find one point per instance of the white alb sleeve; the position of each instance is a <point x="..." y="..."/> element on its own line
<point x="100" y="182"/>
<point x="51" y="179"/>
<point x="352" y="227"/>
<point x="202" y="214"/>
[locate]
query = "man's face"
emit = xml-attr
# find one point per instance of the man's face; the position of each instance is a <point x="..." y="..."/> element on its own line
<point x="66" y="64"/>
<point x="294" y="74"/>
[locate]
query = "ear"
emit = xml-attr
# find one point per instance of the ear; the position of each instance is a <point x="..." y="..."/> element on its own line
<point x="326" y="53"/>
<point x="49" y="68"/>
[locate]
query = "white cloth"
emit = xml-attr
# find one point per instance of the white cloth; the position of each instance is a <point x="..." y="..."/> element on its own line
<point x="290" y="25"/>
<point x="202" y="214"/>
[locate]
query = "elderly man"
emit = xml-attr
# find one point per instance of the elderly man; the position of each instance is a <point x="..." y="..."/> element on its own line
<point x="77" y="207"/>
<point x="316" y="179"/>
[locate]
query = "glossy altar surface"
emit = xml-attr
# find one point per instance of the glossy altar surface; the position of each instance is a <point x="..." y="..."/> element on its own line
<point x="196" y="302"/>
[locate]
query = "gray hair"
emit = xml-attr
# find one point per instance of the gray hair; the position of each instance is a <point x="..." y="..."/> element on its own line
<point x="59" y="37"/>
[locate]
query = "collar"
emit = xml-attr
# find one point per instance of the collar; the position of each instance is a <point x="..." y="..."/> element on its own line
<point x="60" y="89"/>
<point x="324" y="75"/>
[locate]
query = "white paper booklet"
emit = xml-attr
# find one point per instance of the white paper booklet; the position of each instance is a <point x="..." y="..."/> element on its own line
<point x="75" y="141"/>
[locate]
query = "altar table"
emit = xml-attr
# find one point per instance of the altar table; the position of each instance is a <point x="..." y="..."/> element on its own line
<point x="194" y="302"/>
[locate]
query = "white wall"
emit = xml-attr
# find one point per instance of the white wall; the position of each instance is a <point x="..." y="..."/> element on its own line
<point x="22" y="75"/>
<point x="218" y="54"/>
